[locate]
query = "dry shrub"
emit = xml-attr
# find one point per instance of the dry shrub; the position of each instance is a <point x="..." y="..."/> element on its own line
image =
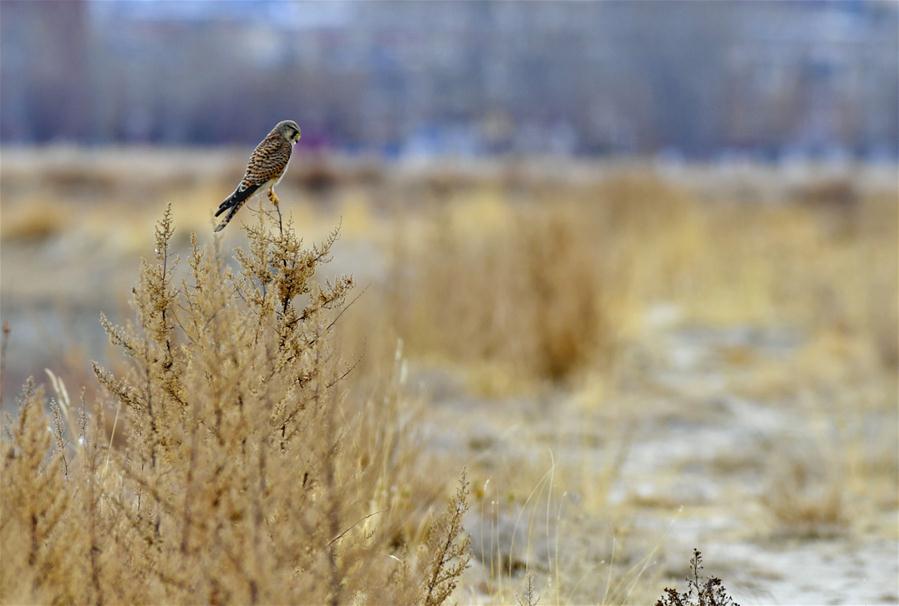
<point x="700" y="591"/>
<point x="528" y="300"/>
<point x="318" y="176"/>
<point x="543" y="289"/>
<point x="321" y="174"/>
<point x="837" y="282"/>
<point x="82" y="178"/>
<point x="448" y="548"/>
<point x="32" y="221"/>
<point x="641" y="201"/>
<point x="568" y="320"/>
<point x="880" y="265"/>
<point x="32" y="510"/>
<point x="247" y="474"/>
<point x="650" y="233"/>
<point x="836" y="199"/>
<point x="806" y="497"/>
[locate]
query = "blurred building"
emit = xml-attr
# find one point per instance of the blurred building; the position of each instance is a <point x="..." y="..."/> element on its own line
<point x="44" y="70"/>
<point x="697" y="79"/>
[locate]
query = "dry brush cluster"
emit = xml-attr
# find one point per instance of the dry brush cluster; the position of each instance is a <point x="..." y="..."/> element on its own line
<point x="701" y="590"/>
<point x="543" y="280"/>
<point x="540" y="287"/>
<point x="229" y="463"/>
<point x="527" y="301"/>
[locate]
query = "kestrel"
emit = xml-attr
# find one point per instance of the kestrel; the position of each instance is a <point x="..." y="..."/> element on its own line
<point x="265" y="168"/>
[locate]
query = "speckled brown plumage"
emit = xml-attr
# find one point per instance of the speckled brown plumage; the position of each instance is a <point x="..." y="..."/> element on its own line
<point x="268" y="161"/>
<point x="265" y="168"/>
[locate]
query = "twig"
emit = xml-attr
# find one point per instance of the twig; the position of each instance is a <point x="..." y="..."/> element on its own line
<point x="351" y="368"/>
<point x="333" y="322"/>
<point x="280" y="224"/>
<point x="112" y="435"/>
<point x="354" y="524"/>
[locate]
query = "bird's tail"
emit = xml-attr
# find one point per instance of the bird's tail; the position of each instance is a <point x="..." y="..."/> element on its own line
<point x="233" y="203"/>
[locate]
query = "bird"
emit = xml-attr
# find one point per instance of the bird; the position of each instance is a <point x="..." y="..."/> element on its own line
<point x="265" y="168"/>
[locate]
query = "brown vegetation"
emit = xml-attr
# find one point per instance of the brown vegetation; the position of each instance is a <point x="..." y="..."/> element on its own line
<point x="627" y="361"/>
<point x="700" y="591"/>
<point x="247" y="474"/>
<point x="527" y="299"/>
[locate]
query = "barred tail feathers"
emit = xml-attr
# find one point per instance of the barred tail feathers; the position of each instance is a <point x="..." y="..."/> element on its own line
<point x="234" y="202"/>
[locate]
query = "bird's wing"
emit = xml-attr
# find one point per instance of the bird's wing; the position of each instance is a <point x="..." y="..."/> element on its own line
<point x="268" y="160"/>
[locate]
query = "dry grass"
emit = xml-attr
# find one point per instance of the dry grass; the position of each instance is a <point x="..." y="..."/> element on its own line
<point x="242" y="472"/>
<point x="33" y="223"/>
<point x="525" y="293"/>
<point x="526" y="301"/>
<point x="538" y="286"/>
<point x="561" y="309"/>
<point x="806" y="496"/>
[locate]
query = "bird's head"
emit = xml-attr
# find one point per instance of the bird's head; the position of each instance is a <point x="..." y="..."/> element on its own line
<point x="288" y="129"/>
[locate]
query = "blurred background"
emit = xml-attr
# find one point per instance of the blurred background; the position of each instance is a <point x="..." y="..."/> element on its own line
<point x="640" y="257"/>
<point x="769" y="80"/>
